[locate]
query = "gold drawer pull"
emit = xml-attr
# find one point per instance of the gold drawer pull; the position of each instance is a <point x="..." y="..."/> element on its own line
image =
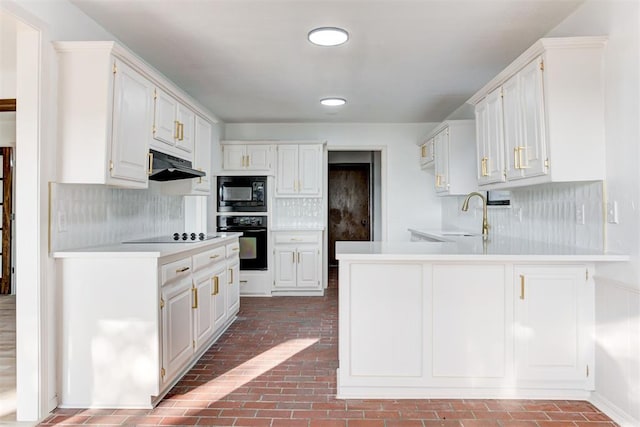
<point x="216" y="285"/>
<point x="150" y="171"/>
<point x="214" y="256"/>
<point x="235" y="249"/>
<point x="182" y="270"/>
<point x="177" y="134"/>
<point x="194" y="291"/>
<point x="522" y="286"/>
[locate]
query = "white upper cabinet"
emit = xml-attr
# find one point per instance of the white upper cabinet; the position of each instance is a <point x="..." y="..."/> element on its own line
<point x="112" y="108"/>
<point x="173" y="127"/>
<point x="453" y="143"/>
<point x="541" y="114"/>
<point x="105" y="116"/>
<point x="131" y="117"/>
<point x="246" y="157"/>
<point x="489" y="139"/>
<point x="299" y="170"/>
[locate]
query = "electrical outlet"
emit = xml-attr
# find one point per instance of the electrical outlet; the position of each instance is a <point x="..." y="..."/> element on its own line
<point x="612" y="212"/>
<point x="580" y="215"/>
<point x="62" y="222"/>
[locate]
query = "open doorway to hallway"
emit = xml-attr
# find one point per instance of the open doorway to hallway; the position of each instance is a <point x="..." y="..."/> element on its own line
<point x="354" y="193"/>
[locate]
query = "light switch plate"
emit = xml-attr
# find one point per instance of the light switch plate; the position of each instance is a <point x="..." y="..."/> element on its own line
<point x="612" y="212"/>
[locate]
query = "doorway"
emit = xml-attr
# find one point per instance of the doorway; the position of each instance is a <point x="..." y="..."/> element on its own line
<point x="353" y="207"/>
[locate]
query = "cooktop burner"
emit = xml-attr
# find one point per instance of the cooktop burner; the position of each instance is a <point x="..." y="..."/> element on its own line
<point x="178" y="238"/>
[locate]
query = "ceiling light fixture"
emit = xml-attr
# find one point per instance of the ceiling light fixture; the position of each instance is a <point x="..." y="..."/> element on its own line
<point x="328" y="36"/>
<point x="333" y="102"/>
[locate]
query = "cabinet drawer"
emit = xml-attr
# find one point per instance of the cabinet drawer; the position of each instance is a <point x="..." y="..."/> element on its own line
<point x="233" y="249"/>
<point x="295" y="238"/>
<point x="176" y="269"/>
<point x="208" y="257"/>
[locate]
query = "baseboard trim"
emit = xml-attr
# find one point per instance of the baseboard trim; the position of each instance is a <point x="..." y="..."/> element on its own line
<point x="613" y="411"/>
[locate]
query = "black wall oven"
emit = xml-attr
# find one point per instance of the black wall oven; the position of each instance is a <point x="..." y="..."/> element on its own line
<point x="253" y="242"/>
<point x="242" y="194"/>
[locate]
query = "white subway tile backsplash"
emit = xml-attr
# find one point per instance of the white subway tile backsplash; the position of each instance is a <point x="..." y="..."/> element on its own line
<point x="545" y="213"/>
<point x="91" y="215"/>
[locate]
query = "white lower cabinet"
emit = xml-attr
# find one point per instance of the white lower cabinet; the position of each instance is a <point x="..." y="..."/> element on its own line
<point x="147" y="318"/>
<point x="177" y="327"/>
<point x="298" y="258"/>
<point x="463" y="330"/>
<point x="469" y="321"/>
<point x="233" y="285"/>
<point x="554" y="309"/>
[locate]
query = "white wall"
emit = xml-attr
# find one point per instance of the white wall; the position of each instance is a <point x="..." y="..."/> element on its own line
<point x="618" y="286"/>
<point x="7" y="56"/>
<point x="410" y="202"/>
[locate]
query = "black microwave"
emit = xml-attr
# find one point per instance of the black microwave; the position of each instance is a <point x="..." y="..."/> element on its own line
<point x="242" y="194"/>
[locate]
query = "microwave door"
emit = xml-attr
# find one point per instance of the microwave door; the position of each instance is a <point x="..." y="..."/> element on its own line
<point x="236" y="194"/>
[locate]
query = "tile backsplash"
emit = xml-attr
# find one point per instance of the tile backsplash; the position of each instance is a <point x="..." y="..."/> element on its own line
<point x="89" y="215"/>
<point x="546" y="213"/>
<point x="298" y="212"/>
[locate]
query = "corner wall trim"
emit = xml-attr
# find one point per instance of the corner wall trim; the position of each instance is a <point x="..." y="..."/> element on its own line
<point x="612" y="411"/>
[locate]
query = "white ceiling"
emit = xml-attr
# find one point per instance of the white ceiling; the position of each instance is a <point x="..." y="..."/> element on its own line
<point x="406" y="60"/>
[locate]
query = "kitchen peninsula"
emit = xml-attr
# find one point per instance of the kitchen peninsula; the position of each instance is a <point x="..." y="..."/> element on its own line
<point x="466" y="318"/>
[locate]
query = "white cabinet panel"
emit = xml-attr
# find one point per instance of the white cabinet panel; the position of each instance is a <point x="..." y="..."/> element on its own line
<point x="552" y="323"/>
<point x="233" y="287"/>
<point x="299" y="170"/>
<point x="533" y="153"/>
<point x="427" y="156"/>
<point x="177" y="327"/>
<point x="489" y="129"/>
<point x="185" y="141"/>
<point x="285" y="267"/>
<point x="203" y="308"/>
<point x="298" y="259"/>
<point x="441" y="148"/>
<point x="453" y="146"/>
<point x="246" y="157"/>
<point x="165" y="126"/>
<point x="469" y="326"/>
<point x="219" y="296"/>
<point x="384" y="343"/>
<point x="132" y="114"/>
<point x="308" y="264"/>
<point x="202" y="155"/>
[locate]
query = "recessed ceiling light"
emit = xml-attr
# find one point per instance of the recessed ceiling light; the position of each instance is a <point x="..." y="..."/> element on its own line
<point x="333" y="102"/>
<point x="328" y="36"/>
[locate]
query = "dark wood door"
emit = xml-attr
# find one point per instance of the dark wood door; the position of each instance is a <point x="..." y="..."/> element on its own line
<point x="349" y="204"/>
<point x="6" y="180"/>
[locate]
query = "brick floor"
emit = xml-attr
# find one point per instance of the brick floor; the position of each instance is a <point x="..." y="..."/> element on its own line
<point x="275" y="366"/>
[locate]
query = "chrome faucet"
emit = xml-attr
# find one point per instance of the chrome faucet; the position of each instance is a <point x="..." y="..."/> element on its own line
<point x="485" y="223"/>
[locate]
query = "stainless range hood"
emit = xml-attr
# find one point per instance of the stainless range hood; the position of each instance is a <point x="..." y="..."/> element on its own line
<point x="169" y="168"/>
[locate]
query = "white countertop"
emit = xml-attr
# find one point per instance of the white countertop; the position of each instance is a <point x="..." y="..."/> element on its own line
<point x="143" y="250"/>
<point x="470" y="249"/>
<point x="298" y="228"/>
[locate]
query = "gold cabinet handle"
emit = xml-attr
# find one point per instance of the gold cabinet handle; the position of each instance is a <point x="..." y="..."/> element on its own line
<point x="150" y="171"/>
<point x="194" y="292"/>
<point x="230" y="276"/>
<point x="214" y="256"/>
<point x="248" y="161"/>
<point x="235" y="249"/>
<point x="182" y="270"/>
<point x="293" y="257"/>
<point x="298" y="257"/>
<point x="516" y="163"/>
<point x="522" y="286"/>
<point x="177" y="134"/>
<point x="520" y="150"/>
<point x="424" y="151"/>
<point x="181" y="131"/>
<point x="484" y="168"/>
<point x="216" y="288"/>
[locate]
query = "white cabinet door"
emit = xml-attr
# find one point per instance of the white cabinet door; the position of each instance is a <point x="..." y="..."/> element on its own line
<point x="233" y="287"/>
<point x="307" y="268"/>
<point x="177" y="327"/>
<point x="310" y="170"/>
<point x="203" y="308"/>
<point x="233" y="157"/>
<point x="258" y="157"/>
<point x="441" y="147"/>
<point x="287" y="170"/>
<point x="202" y="155"/>
<point x="512" y="122"/>
<point x="533" y="151"/>
<point x="185" y="140"/>
<point x="165" y="125"/>
<point x="469" y="323"/>
<point x="490" y="145"/>
<point x="285" y="267"/>
<point x="132" y="122"/>
<point x="219" y="296"/>
<point x="552" y="332"/>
